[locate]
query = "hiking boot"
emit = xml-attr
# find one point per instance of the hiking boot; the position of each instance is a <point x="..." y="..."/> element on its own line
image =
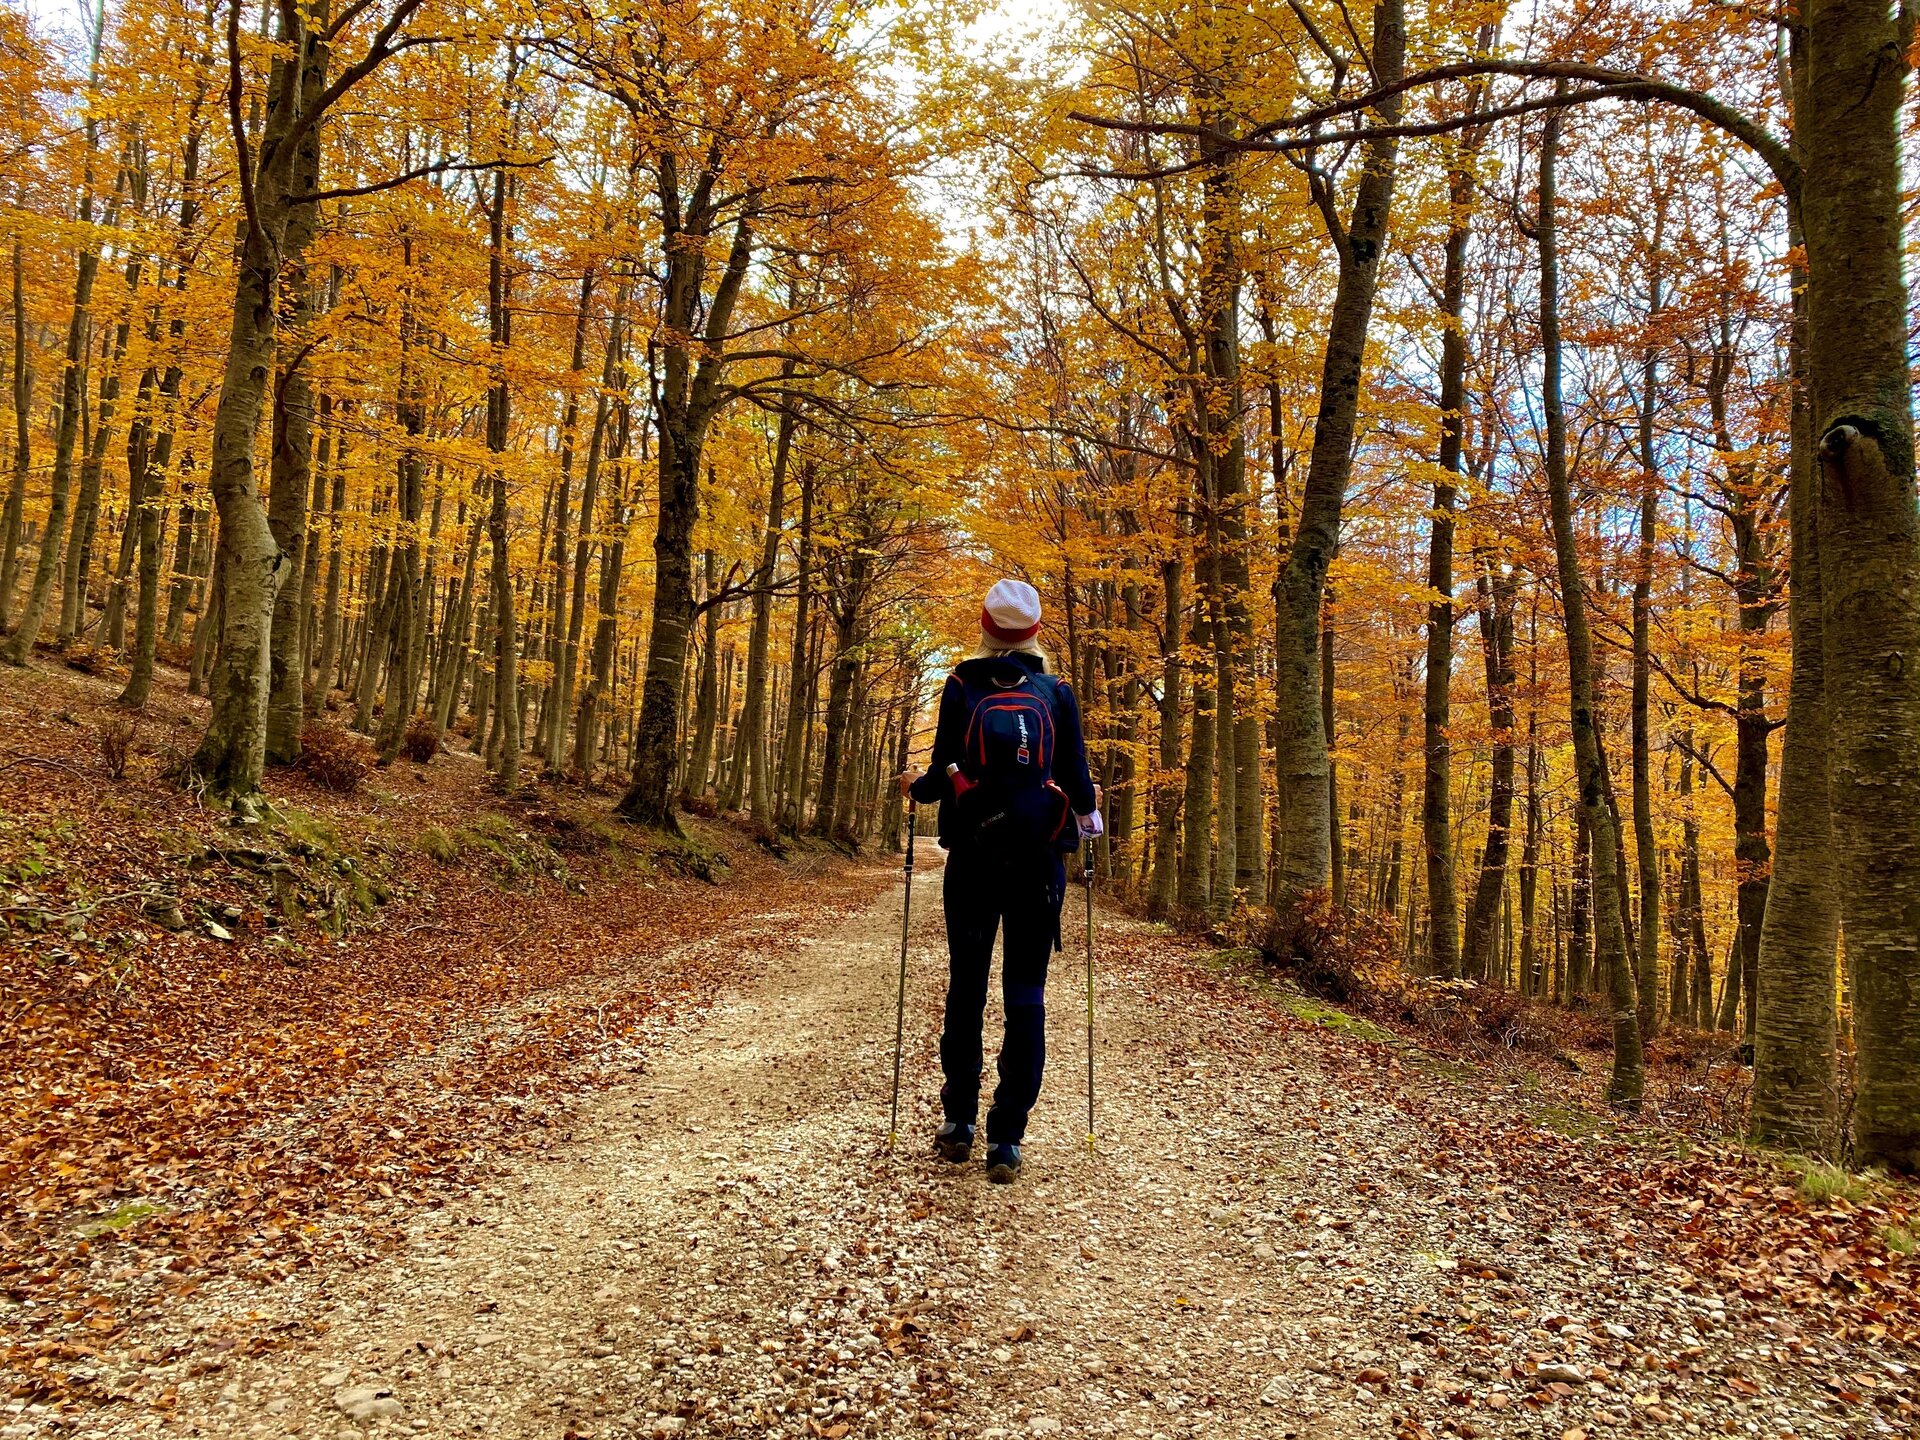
<point x="1003" y="1163"/>
<point x="953" y="1142"/>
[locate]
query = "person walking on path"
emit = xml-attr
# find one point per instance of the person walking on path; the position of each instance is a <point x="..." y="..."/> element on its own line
<point x="1009" y="771"/>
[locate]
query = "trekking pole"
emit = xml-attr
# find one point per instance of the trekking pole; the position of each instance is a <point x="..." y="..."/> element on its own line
<point x="1087" y="866"/>
<point x="900" y="1012"/>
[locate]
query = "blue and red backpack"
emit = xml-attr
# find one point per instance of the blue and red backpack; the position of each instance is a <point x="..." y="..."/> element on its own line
<point x="1003" y="790"/>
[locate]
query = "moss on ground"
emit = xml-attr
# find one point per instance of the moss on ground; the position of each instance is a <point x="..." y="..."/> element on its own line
<point x="306" y="833"/>
<point x="692" y="856"/>
<point x="514" y="851"/>
<point x="1569" y="1120"/>
<point x="1332" y="1017"/>
<point x="119" y="1218"/>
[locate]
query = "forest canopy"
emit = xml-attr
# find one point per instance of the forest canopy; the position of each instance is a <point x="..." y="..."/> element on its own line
<point x="1465" y="453"/>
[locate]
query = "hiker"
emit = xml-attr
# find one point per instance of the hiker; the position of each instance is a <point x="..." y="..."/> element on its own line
<point x="1010" y="772"/>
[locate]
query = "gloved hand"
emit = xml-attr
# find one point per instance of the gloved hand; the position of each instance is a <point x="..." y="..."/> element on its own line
<point x="1090" y="826"/>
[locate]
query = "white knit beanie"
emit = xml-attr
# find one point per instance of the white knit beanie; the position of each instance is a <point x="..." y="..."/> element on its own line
<point x="1011" y="615"/>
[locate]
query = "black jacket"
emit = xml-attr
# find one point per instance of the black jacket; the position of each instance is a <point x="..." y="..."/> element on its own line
<point x="1070" y="771"/>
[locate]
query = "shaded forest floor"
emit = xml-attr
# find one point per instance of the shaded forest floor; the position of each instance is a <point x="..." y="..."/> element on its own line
<point x="562" y="1140"/>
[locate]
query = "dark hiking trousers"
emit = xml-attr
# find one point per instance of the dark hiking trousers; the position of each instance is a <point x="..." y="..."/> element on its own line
<point x="984" y="894"/>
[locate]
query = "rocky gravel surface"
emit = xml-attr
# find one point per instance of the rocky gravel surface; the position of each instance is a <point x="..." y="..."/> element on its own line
<point x="1257" y="1245"/>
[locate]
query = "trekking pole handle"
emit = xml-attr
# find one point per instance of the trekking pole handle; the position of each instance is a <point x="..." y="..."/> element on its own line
<point x="913" y="810"/>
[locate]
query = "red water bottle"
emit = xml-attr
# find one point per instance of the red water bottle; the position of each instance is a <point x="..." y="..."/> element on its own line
<point x="960" y="782"/>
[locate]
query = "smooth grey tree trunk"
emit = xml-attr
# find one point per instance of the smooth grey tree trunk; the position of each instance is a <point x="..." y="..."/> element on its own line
<point x="1869" y="543"/>
<point x="1796" y="1100"/>
<point x="290" y="478"/>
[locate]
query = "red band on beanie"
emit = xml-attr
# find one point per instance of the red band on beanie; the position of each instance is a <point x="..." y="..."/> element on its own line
<point x="1004" y="635"/>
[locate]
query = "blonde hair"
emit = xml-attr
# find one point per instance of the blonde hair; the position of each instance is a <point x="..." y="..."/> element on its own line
<point x="992" y="649"/>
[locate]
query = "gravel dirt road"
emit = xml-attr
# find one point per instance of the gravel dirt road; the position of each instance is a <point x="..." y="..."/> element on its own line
<point x="1260" y="1245"/>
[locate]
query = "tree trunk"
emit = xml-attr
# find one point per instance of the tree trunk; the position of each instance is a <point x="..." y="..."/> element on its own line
<point x="1226" y="834"/>
<point x="308" y="608"/>
<point x="207" y="628"/>
<point x="1336" y="836"/>
<point x="506" y="670"/>
<point x="1532" y="978"/>
<point x="14" y="517"/>
<point x="1443" y="920"/>
<point x="553" y="739"/>
<point x="86" y="511"/>
<point x="1795" y="1064"/>
<point x="1624" y="1089"/>
<point x="404" y="580"/>
<point x="185" y="527"/>
<point x="1679" y="952"/>
<point x="656" y="747"/>
<point x="150" y="455"/>
<point x="291" y="479"/>
<point x="1396" y="810"/>
<point x="1727" y="1017"/>
<point x="800" y="676"/>
<point x="378" y="602"/>
<point x="689" y="397"/>
<point x="750" y="746"/>
<point x="1697" y="925"/>
<point x="1162" y="888"/>
<point x="1868" y="534"/>
<point x="1305" y="862"/>
<point x="73" y="379"/>
<point x="586" y="723"/>
<point x="845" y="605"/>
<point x="612" y="380"/>
<point x="1436" y="827"/>
<point x="1496" y="594"/>
<point x="1223" y="466"/>
<point x="706" y="705"/>
<point x="1196" y="827"/>
<point x="1646" y="851"/>
<point x="332" y="617"/>
<point x="232" y="753"/>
